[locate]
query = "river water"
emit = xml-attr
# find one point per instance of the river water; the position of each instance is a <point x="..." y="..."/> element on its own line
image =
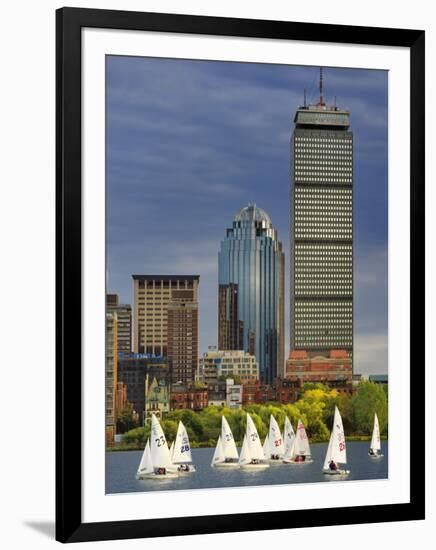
<point x="121" y="468"/>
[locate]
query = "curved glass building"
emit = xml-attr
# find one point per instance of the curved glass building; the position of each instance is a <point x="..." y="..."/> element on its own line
<point x="251" y="291"/>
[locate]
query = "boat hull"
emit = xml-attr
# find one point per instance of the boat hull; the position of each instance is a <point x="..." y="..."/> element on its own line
<point x="336" y="472"/>
<point x="262" y="466"/>
<point x="225" y="465"/>
<point x="192" y="470"/>
<point x="291" y="461"/>
<point x="275" y="460"/>
<point x="169" y="475"/>
<point x="375" y="457"/>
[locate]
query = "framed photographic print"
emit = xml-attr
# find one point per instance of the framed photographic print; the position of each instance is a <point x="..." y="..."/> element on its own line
<point x="240" y="274"/>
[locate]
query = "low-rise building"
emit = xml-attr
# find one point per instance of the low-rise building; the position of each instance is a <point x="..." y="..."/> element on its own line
<point x="157" y="399"/>
<point x="215" y="364"/>
<point x="234" y="394"/>
<point x="217" y="392"/>
<point x="334" y="370"/>
<point x="189" y="396"/>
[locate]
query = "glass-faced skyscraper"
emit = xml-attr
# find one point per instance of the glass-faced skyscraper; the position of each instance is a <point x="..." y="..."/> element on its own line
<point x="251" y="291"/>
<point x="321" y="229"/>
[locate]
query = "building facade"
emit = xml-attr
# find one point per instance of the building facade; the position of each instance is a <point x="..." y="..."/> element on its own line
<point x="152" y="296"/>
<point x="336" y="370"/>
<point x="251" y="291"/>
<point x="111" y="375"/>
<point x="124" y="320"/>
<point x="234" y="393"/>
<point x="182" y="339"/>
<point x="321" y="248"/>
<point x="192" y="396"/>
<point x="226" y="363"/>
<point x="157" y="399"/>
<point x="136" y="371"/>
<point x="217" y="392"/>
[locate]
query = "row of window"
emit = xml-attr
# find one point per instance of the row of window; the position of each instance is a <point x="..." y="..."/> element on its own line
<point x="314" y="179"/>
<point x="346" y="139"/>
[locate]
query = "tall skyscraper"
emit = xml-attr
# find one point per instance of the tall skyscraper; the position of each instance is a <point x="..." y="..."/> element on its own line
<point x="152" y="296"/>
<point x="251" y="291"/>
<point x="321" y="229"/>
<point x="182" y="339"/>
<point x="124" y="317"/>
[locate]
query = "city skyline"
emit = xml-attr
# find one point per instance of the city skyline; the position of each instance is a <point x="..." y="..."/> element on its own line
<point x="182" y="160"/>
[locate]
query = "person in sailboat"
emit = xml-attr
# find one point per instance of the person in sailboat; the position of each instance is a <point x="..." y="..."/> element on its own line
<point x="161" y="471"/>
<point x="184" y="468"/>
<point x="371" y="452"/>
<point x="333" y="466"/>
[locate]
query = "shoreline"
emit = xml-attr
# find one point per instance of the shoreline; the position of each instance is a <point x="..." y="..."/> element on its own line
<point x="119" y="447"/>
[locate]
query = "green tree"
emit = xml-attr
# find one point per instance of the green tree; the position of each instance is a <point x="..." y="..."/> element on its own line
<point x="137" y="437"/>
<point x="236" y="378"/>
<point x="369" y="399"/>
<point x="125" y="419"/>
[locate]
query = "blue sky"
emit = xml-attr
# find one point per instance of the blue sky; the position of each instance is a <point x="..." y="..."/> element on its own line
<point x="189" y="143"/>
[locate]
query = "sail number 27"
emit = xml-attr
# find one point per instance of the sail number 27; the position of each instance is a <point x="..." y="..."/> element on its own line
<point x="160" y="441"/>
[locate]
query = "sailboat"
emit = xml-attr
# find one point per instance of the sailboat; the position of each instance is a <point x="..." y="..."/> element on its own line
<point x="218" y="456"/>
<point x="299" y="452"/>
<point x="289" y="438"/>
<point x="226" y="453"/>
<point x="145" y="468"/>
<point x="336" y="451"/>
<point x="265" y="447"/>
<point x="156" y="459"/>
<point x="375" y="447"/>
<point x="181" y="451"/>
<point x="273" y="447"/>
<point x="252" y="455"/>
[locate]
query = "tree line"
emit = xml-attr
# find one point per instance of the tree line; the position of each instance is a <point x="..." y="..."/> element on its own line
<point x="315" y="406"/>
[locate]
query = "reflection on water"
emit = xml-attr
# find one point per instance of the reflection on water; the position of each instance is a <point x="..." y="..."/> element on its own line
<point x="121" y="470"/>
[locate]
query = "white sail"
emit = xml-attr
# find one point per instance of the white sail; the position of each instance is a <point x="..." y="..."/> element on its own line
<point x="245" y="457"/>
<point x="336" y="450"/>
<point x="218" y="456"/>
<point x="375" y="440"/>
<point x="254" y="445"/>
<point x="289" y="438"/>
<point x="302" y="447"/>
<point x="227" y="440"/>
<point x="160" y="454"/>
<point x="182" y="449"/>
<point x="265" y="448"/>
<point x="146" y="465"/>
<point x="275" y="438"/>
<point x="172" y="451"/>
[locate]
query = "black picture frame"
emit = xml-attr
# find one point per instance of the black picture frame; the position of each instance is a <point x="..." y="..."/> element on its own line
<point x="69" y="23"/>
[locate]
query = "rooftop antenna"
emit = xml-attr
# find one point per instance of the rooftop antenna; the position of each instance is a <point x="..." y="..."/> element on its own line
<point x="321" y="99"/>
<point x="305" y="103"/>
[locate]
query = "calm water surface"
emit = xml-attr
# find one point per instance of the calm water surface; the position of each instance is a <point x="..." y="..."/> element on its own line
<point x="121" y="470"/>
